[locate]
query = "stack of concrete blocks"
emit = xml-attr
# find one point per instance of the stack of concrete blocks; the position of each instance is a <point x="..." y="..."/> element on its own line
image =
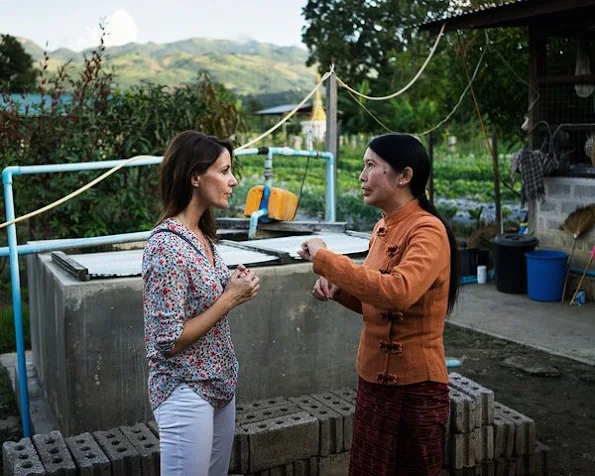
<point x="485" y="438"/>
<point x="300" y="436"/>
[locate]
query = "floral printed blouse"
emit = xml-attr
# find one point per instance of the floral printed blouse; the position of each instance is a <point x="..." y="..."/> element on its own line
<point x="180" y="283"/>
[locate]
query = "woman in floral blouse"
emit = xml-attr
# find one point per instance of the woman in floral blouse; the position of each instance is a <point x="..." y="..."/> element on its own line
<point x="188" y="292"/>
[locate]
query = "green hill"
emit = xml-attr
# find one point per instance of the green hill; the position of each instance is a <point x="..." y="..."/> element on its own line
<point x="245" y="67"/>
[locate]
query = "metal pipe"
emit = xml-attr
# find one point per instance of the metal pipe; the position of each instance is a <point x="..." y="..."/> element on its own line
<point x="268" y="169"/>
<point x="15" y="281"/>
<point x="254" y="222"/>
<point x="75" y="167"/>
<point x="55" y="245"/>
<point x="581" y="271"/>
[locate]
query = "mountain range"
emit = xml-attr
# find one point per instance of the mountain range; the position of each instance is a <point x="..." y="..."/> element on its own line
<point x="248" y="68"/>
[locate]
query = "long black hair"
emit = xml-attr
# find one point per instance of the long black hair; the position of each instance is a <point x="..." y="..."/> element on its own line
<point x="400" y="151"/>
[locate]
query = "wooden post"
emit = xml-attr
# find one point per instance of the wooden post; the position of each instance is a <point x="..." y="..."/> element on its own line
<point x="497" y="199"/>
<point x="431" y="156"/>
<point x="331" y="125"/>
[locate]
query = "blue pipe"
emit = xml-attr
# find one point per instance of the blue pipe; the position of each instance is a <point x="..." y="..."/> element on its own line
<point x="254" y="222"/>
<point x="15" y="281"/>
<point x="54" y="245"/>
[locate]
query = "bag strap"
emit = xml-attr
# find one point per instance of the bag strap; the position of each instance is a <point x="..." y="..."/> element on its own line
<point x="167" y="230"/>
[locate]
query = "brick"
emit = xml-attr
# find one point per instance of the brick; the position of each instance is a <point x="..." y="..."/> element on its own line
<point x="261" y="404"/>
<point x="524" y="429"/>
<point x="122" y="455"/>
<point x="484" y="397"/>
<point x="306" y="467"/>
<point x="463" y="412"/>
<point x="240" y="452"/>
<point x="347" y="394"/>
<point x="255" y="416"/>
<point x="505" y="467"/>
<point x="282" y="440"/>
<point x="21" y="459"/>
<point x="485" y="444"/>
<point x="503" y="437"/>
<point x="54" y="454"/>
<point x="154" y="427"/>
<point x="334" y="465"/>
<point x="343" y="408"/>
<point x="330" y="424"/>
<point x="147" y="445"/>
<point x="88" y="456"/>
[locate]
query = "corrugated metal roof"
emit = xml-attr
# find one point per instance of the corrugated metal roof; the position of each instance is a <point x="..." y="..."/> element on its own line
<point x="483" y="8"/>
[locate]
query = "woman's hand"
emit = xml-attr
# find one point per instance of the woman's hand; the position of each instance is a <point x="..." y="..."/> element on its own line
<point x="310" y="248"/>
<point x="242" y="286"/>
<point x="324" y="290"/>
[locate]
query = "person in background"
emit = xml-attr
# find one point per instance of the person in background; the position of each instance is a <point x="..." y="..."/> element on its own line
<point x="404" y="290"/>
<point x="188" y="292"/>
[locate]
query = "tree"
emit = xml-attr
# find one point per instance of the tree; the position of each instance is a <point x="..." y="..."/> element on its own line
<point x="17" y="74"/>
<point x="377" y="44"/>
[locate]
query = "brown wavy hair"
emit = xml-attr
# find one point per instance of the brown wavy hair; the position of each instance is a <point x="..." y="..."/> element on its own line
<point x="189" y="153"/>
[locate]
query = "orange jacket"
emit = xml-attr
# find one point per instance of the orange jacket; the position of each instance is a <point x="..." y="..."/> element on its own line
<point x="402" y="291"/>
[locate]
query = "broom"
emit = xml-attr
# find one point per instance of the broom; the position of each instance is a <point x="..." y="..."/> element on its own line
<point x="580" y="283"/>
<point x="577" y="224"/>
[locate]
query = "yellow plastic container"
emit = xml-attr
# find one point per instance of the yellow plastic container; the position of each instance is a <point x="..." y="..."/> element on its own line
<point x="282" y="203"/>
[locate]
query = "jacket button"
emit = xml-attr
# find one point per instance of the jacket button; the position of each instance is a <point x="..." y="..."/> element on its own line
<point x="381" y="377"/>
<point x="392" y="378"/>
<point x="396" y="348"/>
<point x="383" y="346"/>
<point x="399" y="316"/>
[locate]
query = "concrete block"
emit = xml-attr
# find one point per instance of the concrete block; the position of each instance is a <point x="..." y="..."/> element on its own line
<point x="89" y="458"/>
<point x="485" y="444"/>
<point x="503" y="436"/>
<point x="21" y="459"/>
<point x="282" y="440"/>
<point x="524" y="429"/>
<point x="260" y="404"/>
<point x="147" y="445"/>
<point x="505" y="467"/>
<point x="462" y="449"/>
<point x="484" y="397"/>
<point x="255" y="416"/>
<point x="558" y="189"/>
<point x="240" y="452"/>
<point x="330" y="424"/>
<point x="348" y="394"/>
<point x="54" y="454"/>
<point x="548" y="206"/>
<point x="555" y="223"/>
<point x="154" y="427"/>
<point x="122" y="455"/>
<point x="586" y="192"/>
<point x="334" y="465"/>
<point x="463" y="412"/>
<point x="343" y="408"/>
<point x="306" y="467"/>
<point x="541" y="463"/>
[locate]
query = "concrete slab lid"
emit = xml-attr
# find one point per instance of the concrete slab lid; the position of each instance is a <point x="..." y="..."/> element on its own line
<point x="128" y="263"/>
<point x="337" y="242"/>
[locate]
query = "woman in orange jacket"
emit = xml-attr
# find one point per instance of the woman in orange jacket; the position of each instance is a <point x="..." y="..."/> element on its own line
<point x="404" y="291"/>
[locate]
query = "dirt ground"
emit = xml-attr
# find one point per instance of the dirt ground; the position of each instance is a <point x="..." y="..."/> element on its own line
<point x="563" y="405"/>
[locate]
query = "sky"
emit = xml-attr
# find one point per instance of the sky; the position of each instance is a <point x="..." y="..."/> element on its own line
<point x="74" y="23"/>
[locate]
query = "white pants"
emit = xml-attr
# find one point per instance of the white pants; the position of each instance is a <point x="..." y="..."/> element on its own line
<point x="195" y="438"/>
